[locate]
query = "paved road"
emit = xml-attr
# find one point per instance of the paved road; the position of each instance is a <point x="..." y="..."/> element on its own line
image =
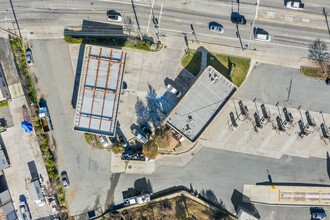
<point x="223" y="172"/>
<point x="88" y="169"/>
<point x="289" y="29"/>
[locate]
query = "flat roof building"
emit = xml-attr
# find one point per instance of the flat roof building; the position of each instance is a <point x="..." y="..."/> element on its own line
<point x="99" y="90"/>
<point x="201" y="103"/>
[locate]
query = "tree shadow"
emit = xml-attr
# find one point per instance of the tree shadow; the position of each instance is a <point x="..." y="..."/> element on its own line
<point x="211" y="197"/>
<point x="149" y="113"/>
<point x="240" y="201"/>
<point x="181" y="208"/>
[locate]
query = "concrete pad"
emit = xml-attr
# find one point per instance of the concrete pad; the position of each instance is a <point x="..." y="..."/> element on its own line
<point x="267" y="141"/>
<point x="141" y="167"/>
<point x="117" y="164"/>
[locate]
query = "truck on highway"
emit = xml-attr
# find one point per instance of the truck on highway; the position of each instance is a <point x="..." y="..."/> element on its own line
<point x="45" y="119"/>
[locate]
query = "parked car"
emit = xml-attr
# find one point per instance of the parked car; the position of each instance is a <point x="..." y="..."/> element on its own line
<point x="103" y="141"/>
<point x="139" y="134"/>
<point x="217" y="28"/>
<point x="174" y="91"/>
<point x="297" y="5"/>
<point x="24" y="210"/>
<point x="146" y="129"/>
<point x="65" y="179"/>
<point x="28" y="54"/>
<point x="327" y="81"/>
<point x="239" y="20"/>
<point x="112" y="15"/>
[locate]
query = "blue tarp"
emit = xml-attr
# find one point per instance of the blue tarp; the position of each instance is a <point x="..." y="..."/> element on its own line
<point x="27" y="126"/>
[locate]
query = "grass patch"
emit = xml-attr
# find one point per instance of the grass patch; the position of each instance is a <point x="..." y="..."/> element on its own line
<point x="130" y="42"/>
<point x="312" y="72"/>
<point x="222" y="64"/>
<point x="118" y="148"/>
<point x="3" y="104"/>
<point x="192" y="62"/>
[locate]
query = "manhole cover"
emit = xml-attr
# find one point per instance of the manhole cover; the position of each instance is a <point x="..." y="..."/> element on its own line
<point x="192" y="154"/>
<point x="130" y="167"/>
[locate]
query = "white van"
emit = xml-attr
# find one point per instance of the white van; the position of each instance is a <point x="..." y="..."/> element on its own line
<point x="262" y="37"/>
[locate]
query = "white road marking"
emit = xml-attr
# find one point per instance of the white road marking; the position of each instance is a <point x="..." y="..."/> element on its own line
<point x="124" y="3"/>
<point x="288" y="18"/>
<point x="305" y="20"/>
<point x="160" y="13"/>
<point x="151" y="11"/>
<point x="270" y="15"/>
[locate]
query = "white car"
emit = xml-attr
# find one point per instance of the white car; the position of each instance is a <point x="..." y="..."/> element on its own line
<point x="114" y="16"/>
<point x="28" y="54"/>
<point x="104" y="141"/>
<point x="174" y="91"/>
<point x="24" y="211"/>
<point x="217" y="29"/>
<point x="295" y="5"/>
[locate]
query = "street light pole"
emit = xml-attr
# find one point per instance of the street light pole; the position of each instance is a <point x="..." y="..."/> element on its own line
<point x="279" y="112"/>
<point x="300" y="114"/>
<point x="12" y="8"/>
<point x="254" y="20"/>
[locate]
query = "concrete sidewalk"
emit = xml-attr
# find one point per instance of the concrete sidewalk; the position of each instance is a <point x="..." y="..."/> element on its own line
<point x="262" y="57"/>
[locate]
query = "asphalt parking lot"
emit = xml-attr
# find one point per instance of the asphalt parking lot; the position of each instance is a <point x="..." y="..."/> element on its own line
<point x="92" y="183"/>
<point x="270" y="84"/>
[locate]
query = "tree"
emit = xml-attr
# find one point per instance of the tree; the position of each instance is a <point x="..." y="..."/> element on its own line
<point x="117" y="148"/>
<point x="160" y="141"/>
<point x="318" y="52"/>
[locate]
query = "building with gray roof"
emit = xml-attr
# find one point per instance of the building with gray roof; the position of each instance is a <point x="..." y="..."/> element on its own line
<point x="201" y="103"/>
<point x="99" y="90"/>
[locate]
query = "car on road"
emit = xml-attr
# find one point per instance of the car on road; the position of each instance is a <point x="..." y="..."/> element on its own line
<point x="217" y="28"/>
<point x="174" y="91"/>
<point x="28" y="55"/>
<point x="103" y="141"/>
<point x="297" y="5"/>
<point x="138" y="133"/>
<point x="65" y="179"/>
<point x="112" y="15"/>
<point x="25" y="213"/>
<point x="238" y="20"/>
<point x="261" y="35"/>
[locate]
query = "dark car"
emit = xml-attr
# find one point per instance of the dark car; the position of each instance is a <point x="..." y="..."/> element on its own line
<point x="65" y="179"/>
<point x="146" y="129"/>
<point x="327" y="81"/>
<point x="239" y="20"/>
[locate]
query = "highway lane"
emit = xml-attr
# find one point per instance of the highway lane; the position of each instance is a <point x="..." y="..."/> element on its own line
<point x="36" y="16"/>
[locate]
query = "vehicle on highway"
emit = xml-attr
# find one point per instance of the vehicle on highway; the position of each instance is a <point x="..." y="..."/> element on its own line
<point x="28" y="55"/>
<point x="261" y="35"/>
<point x="112" y="15"/>
<point x="25" y="213"/>
<point x="138" y="133"/>
<point x="174" y="91"/>
<point x="65" y="179"/>
<point x="217" y="28"/>
<point x="319" y="215"/>
<point x="294" y="5"/>
<point x="103" y="141"/>
<point x="238" y="20"/>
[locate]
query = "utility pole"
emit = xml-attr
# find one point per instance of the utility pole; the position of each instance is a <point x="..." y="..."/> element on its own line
<point x="252" y="29"/>
<point x="12" y="8"/>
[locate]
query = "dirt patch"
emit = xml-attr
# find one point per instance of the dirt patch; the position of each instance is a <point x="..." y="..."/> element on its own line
<point x="180" y="207"/>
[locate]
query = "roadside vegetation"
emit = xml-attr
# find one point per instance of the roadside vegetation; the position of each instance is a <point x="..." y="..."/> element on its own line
<point x="160" y="140"/>
<point x="223" y="64"/>
<point x="93" y="141"/>
<point x="312" y="72"/>
<point x="318" y="53"/>
<point x="117" y="148"/>
<point x="3" y="104"/>
<point x="43" y="138"/>
<point x="192" y="62"/>
<point x="130" y="42"/>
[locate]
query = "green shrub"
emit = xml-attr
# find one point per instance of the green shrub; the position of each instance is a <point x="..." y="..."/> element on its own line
<point x="4" y="104"/>
<point x="117" y="148"/>
<point x="72" y="40"/>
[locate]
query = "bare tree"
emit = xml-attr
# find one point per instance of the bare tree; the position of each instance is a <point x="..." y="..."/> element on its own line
<point x="318" y="51"/>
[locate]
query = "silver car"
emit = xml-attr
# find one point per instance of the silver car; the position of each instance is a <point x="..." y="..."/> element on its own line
<point x="24" y="211"/>
<point x="28" y="54"/>
<point x="174" y="91"/>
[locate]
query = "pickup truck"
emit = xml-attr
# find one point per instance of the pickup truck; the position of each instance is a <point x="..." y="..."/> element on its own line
<point x="45" y="119"/>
